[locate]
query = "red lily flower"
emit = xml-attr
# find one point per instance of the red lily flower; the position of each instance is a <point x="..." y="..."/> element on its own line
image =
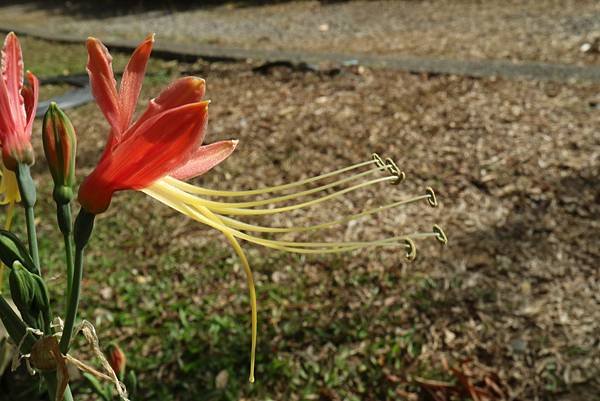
<point x="17" y="106"/>
<point x="165" y="140"/>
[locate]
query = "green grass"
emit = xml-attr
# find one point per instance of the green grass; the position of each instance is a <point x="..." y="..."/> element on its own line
<point x="47" y="59"/>
<point x="182" y="316"/>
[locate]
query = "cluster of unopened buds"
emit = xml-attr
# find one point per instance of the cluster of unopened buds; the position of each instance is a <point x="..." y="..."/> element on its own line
<point x="154" y="153"/>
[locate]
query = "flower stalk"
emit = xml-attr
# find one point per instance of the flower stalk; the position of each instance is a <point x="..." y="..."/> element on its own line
<point x="84" y="225"/>
<point x="28" y="198"/>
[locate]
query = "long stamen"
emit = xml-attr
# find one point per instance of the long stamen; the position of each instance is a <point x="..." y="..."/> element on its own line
<point x="201" y="215"/>
<point x="219" y="206"/>
<point x="256" y="228"/>
<point x="251" y="290"/>
<point x="171" y="193"/>
<point x="213" y="192"/>
<point x="294" y="195"/>
<point x="302" y="247"/>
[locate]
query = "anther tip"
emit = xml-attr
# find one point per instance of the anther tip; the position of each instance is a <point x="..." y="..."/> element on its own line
<point x="393" y="169"/>
<point x="411" y="252"/>
<point x="431" y="199"/>
<point x="378" y="161"/>
<point x="440" y="235"/>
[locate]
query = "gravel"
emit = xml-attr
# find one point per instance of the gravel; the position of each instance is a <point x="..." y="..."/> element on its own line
<point x="549" y="30"/>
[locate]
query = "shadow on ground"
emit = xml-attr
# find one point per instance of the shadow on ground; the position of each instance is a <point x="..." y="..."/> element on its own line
<point x="111" y="8"/>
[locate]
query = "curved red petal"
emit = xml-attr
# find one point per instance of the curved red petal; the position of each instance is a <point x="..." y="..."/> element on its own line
<point x="12" y="74"/>
<point x="30" y="96"/>
<point x="7" y="122"/>
<point x="131" y="83"/>
<point x="183" y="91"/>
<point x="204" y="159"/>
<point x="103" y="84"/>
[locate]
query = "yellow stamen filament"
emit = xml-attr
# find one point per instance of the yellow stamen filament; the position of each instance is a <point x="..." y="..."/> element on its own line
<point x="251" y="290"/>
<point x="251" y="227"/>
<point x="202" y="215"/>
<point x="185" y="198"/>
<point x="213" y="192"/>
<point x="224" y="208"/>
<point x="283" y="198"/>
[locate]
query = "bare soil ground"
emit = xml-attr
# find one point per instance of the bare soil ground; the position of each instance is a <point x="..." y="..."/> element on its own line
<point x="548" y="30"/>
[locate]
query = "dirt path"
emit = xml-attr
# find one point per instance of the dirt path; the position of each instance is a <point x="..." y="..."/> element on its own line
<point x="544" y="31"/>
<point x="314" y="60"/>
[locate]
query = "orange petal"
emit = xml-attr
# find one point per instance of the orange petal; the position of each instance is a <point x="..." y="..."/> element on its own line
<point x="103" y="84"/>
<point x="160" y="145"/>
<point x="204" y="159"/>
<point x="30" y="96"/>
<point x="131" y="83"/>
<point x="7" y="123"/>
<point x="12" y="73"/>
<point x="182" y="91"/>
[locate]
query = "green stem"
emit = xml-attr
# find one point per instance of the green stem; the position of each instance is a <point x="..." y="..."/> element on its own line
<point x="69" y="258"/>
<point x="32" y="236"/>
<point x="73" y="302"/>
<point x="65" y="223"/>
<point x="28" y="197"/>
<point x="84" y="224"/>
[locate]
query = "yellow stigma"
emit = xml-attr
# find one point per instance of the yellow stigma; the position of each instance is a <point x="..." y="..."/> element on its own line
<point x="194" y="202"/>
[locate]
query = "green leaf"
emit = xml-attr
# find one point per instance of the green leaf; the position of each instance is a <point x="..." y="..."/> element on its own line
<point x="12" y="249"/>
<point x="97" y="387"/>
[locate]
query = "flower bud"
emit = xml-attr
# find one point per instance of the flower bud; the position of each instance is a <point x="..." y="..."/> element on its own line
<point x="22" y="290"/>
<point x="60" y="145"/>
<point x="12" y="249"/>
<point x="117" y="360"/>
<point x="30" y="295"/>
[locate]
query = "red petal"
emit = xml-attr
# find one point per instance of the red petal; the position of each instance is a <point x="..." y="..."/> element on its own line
<point x="12" y="72"/>
<point x="131" y="83"/>
<point x="164" y="144"/>
<point x="204" y="159"/>
<point x="103" y="84"/>
<point x="7" y="123"/>
<point x="183" y="91"/>
<point x="147" y="155"/>
<point x="30" y="96"/>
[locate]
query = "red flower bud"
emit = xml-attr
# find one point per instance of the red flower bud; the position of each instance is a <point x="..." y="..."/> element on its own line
<point x="117" y="360"/>
<point x="60" y="144"/>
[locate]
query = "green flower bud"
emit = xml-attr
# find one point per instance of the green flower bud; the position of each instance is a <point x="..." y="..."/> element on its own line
<point x="30" y="295"/>
<point x="12" y="249"/>
<point x="60" y="145"/>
